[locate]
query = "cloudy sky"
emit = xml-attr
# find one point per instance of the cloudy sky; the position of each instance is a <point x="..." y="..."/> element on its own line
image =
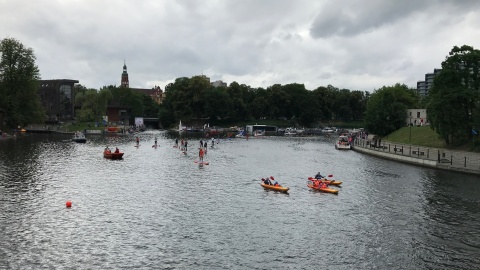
<point x="353" y="44"/>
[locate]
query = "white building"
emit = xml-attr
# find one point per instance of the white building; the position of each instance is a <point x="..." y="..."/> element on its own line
<point x="416" y="117"/>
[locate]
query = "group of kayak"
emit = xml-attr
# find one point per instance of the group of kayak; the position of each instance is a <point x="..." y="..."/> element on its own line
<point x="319" y="182"/>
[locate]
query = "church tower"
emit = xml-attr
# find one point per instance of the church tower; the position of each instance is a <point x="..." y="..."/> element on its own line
<point x="124" y="75"/>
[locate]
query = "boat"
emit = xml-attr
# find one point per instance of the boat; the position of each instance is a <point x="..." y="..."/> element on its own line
<point x="276" y="188"/>
<point x="327" y="130"/>
<point x="322" y="189"/>
<point x="290" y="132"/>
<point x="107" y="153"/>
<point x="79" y="137"/>
<point x="343" y="143"/>
<point x="258" y="133"/>
<point x="327" y="181"/>
<point x="180" y="127"/>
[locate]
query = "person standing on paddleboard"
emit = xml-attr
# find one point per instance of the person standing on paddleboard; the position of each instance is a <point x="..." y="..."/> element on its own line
<point x="200" y="154"/>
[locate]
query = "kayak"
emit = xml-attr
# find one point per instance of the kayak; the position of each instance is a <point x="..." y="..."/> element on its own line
<point x="328" y="182"/>
<point x="276" y="188"/>
<point x="326" y="190"/>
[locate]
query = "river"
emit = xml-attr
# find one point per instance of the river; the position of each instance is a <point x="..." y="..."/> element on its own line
<point x="157" y="209"/>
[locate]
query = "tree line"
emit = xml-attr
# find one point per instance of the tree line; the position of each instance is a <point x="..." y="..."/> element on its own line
<point x="195" y="98"/>
<point x="453" y="102"/>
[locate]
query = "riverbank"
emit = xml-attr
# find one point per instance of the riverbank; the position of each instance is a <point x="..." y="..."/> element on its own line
<point x="439" y="158"/>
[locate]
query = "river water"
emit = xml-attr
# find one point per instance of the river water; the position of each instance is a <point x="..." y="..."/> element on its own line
<point x="157" y="209"/>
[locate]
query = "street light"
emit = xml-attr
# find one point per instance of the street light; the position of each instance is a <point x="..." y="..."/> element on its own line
<point x="410" y="139"/>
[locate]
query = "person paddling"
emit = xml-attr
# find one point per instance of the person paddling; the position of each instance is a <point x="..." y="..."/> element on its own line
<point x="276" y="182"/>
<point x="319" y="176"/>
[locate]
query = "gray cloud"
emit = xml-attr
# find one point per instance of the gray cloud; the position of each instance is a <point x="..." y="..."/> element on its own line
<point x="349" y="44"/>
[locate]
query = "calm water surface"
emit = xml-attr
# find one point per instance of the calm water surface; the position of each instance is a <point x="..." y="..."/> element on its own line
<point x="157" y="209"/>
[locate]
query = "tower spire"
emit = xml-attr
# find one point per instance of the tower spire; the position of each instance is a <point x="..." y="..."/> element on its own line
<point x="124" y="81"/>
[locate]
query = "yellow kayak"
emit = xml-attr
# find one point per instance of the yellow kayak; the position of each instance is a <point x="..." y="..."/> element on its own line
<point x="276" y="188"/>
<point x="326" y="189"/>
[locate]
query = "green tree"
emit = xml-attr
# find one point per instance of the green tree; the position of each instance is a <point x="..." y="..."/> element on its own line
<point x="217" y="103"/>
<point x="93" y="104"/>
<point x="386" y="109"/>
<point x="19" y="84"/>
<point x="453" y="102"/>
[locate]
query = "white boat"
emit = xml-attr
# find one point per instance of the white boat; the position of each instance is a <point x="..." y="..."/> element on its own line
<point x="259" y="132"/>
<point x="327" y="130"/>
<point x="79" y="137"/>
<point x="180" y="127"/>
<point x="290" y="132"/>
<point x="343" y="143"/>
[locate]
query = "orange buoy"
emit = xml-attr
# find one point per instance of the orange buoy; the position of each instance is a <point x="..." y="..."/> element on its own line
<point x="68" y="204"/>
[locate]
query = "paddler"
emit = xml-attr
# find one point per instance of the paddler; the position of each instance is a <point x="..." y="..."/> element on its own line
<point x="319" y="176"/>
<point x="200" y="154"/>
<point x="275" y="183"/>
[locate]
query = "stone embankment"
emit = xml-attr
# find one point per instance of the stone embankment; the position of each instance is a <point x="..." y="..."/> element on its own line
<point x="440" y="158"/>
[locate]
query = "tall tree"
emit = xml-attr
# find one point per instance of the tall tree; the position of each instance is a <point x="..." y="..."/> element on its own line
<point x="19" y="84"/>
<point x="453" y="102"/>
<point x="387" y="107"/>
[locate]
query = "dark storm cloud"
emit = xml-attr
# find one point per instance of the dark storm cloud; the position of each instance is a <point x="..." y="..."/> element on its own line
<point x="350" y="18"/>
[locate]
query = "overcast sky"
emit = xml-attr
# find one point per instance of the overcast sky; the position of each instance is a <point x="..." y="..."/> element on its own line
<point x="353" y="44"/>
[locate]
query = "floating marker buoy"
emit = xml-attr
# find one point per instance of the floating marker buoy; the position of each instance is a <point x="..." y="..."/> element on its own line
<point x="68" y="204"/>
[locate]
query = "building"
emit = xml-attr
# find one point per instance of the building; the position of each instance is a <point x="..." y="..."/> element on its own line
<point x="124" y="79"/>
<point x="156" y="93"/>
<point x="218" y="83"/>
<point x="424" y="86"/>
<point x="58" y="99"/>
<point x="416" y="117"/>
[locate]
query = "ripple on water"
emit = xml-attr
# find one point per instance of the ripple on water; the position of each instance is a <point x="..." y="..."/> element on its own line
<point x="156" y="208"/>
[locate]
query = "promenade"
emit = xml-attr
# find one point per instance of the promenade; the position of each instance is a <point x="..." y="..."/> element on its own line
<point x="440" y="158"/>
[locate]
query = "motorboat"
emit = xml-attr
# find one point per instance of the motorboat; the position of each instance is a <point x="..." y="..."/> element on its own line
<point x="327" y="130"/>
<point x="343" y="143"/>
<point x="107" y="153"/>
<point x="79" y="137"/>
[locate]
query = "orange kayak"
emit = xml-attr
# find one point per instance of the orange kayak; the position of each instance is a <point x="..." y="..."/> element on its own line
<point x="326" y="190"/>
<point x="276" y="188"/>
<point x="328" y="182"/>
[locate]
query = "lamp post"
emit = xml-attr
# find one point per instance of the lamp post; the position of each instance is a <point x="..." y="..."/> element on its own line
<point x="410" y="139"/>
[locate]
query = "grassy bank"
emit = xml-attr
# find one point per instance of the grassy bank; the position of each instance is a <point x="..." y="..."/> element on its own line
<point x="423" y="136"/>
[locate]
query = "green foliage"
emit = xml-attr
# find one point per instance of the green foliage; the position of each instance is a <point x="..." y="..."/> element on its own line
<point x="386" y="109"/>
<point x="93" y="104"/>
<point x="453" y="103"/>
<point x="422" y="136"/>
<point x="19" y="84"/>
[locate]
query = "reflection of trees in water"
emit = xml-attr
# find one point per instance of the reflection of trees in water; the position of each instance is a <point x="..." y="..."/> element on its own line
<point x="452" y="218"/>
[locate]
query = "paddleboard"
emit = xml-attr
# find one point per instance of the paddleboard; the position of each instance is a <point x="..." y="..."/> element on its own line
<point x="202" y="163"/>
<point x="137" y="145"/>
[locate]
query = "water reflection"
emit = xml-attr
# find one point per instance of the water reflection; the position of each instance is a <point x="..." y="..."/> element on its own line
<point x="156" y="207"/>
